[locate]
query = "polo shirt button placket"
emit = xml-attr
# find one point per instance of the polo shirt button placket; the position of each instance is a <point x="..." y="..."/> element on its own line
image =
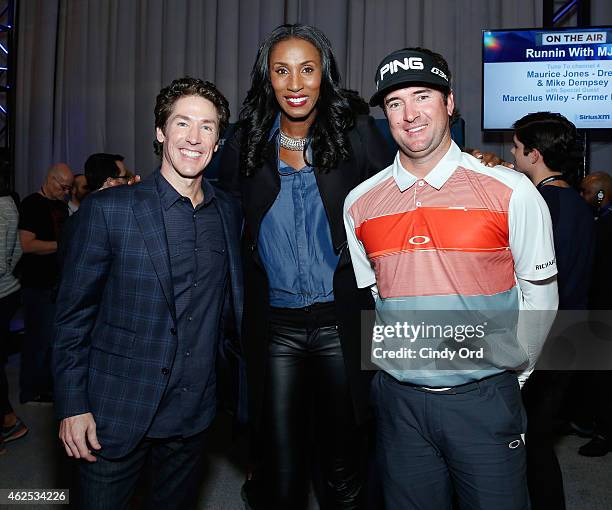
<point x="421" y="183"/>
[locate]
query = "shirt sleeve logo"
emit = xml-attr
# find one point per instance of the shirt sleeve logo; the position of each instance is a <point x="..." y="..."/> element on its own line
<point x="545" y="265"/>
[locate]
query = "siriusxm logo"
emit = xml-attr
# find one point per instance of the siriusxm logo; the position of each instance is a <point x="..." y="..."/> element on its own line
<point x="406" y="64"/>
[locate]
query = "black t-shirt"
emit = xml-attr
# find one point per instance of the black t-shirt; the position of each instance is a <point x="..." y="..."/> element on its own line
<point x="45" y="218"/>
<point x="574" y="238"/>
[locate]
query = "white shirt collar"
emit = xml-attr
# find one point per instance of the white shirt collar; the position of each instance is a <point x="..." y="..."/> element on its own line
<point x="436" y="177"/>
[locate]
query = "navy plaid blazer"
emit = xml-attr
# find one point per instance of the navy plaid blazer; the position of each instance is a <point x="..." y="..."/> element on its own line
<point x="115" y="325"/>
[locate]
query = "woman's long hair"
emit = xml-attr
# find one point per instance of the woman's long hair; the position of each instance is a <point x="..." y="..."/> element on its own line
<point x="329" y="139"/>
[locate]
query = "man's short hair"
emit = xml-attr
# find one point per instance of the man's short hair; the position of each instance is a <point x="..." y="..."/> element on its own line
<point x="184" y="87"/>
<point x="99" y="167"/>
<point x="552" y="135"/>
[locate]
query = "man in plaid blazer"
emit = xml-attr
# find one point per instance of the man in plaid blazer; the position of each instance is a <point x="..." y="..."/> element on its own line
<point x="148" y="278"/>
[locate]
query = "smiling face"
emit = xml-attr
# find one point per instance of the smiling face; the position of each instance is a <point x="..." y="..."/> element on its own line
<point x="189" y="138"/>
<point x="419" y="122"/>
<point x="295" y="73"/>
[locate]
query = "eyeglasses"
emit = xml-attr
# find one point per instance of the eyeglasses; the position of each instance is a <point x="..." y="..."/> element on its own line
<point x="65" y="187"/>
<point x="124" y="177"/>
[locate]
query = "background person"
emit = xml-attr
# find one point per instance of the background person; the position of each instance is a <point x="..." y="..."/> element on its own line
<point x="596" y="189"/>
<point x="104" y="170"/>
<point x="542" y="147"/>
<point x="12" y="427"/>
<point x="78" y="193"/>
<point x="596" y="411"/>
<point x="41" y="219"/>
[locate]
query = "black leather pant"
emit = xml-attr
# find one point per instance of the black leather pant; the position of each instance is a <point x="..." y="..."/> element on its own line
<point x="308" y="409"/>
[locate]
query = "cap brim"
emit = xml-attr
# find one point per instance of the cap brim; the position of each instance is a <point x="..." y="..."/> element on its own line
<point x="378" y="98"/>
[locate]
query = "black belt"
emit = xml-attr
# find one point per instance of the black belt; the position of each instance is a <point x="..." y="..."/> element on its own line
<point x="323" y="314"/>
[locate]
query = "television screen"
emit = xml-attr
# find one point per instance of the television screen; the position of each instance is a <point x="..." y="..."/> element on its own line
<point x="568" y="71"/>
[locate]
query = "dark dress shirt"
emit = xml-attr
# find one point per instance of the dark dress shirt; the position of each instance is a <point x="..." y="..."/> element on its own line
<point x="198" y="259"/>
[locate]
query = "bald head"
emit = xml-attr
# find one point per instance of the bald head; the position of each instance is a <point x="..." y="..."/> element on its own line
<point x="59" y="170"/>
<point x="594" y="184"/>
<point x="58" y="182"/>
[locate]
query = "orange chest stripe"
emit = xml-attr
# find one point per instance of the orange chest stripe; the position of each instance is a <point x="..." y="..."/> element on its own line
<point x="435" y="229"/>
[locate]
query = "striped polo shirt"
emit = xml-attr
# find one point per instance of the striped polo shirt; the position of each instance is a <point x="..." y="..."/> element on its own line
<point x="457" y="239"/>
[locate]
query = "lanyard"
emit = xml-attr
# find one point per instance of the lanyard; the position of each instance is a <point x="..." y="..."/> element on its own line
<point x="549" y="179"/>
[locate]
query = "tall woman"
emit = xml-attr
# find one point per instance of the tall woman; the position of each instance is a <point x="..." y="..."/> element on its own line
<point x="300" y="147"/>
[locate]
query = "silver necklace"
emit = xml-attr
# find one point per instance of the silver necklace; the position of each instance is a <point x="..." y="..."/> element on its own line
<point x="292" y="144"/>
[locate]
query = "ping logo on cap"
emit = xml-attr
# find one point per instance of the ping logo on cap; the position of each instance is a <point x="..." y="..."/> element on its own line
<point x="406" y="64"/>
<point x="408" y="67"/>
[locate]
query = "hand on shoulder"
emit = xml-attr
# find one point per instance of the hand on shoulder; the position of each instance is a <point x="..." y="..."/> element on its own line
<point x="489" y="158"/>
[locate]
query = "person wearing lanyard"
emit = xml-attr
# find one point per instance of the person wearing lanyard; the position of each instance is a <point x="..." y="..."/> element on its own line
<point x="542" y="146"/>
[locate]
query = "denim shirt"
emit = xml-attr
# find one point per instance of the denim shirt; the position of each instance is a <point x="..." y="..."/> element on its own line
<point x="295" y="244"/>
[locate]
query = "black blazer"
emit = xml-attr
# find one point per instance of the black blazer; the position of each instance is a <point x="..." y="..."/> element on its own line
<point x="370" y="154"/>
